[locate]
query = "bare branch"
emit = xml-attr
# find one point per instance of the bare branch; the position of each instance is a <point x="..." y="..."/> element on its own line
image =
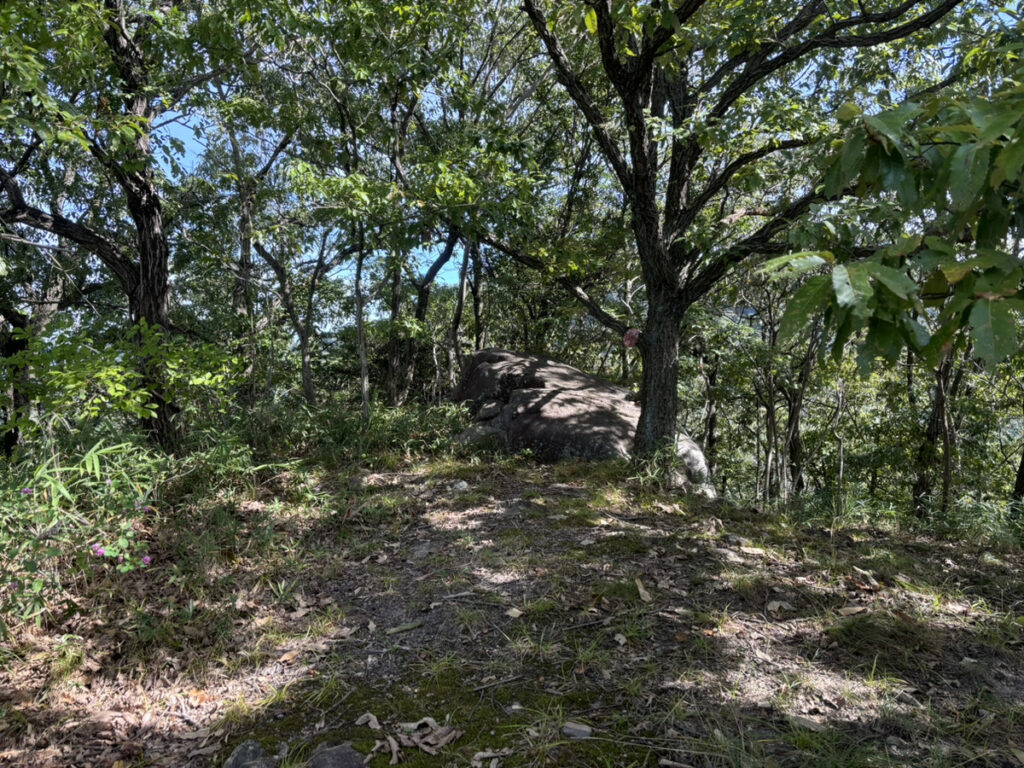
<point x="760" y="66"/>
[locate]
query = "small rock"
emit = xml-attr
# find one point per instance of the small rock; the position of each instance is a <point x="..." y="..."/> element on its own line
<point x="460" y="487"/>
<point x="906" y="698"/>
<point x="779" y="606"/>
<point x="738" y="541"/>
<point x="336" y="757"/>
<point x="577" y="730"/>
<point x="245" y="753"/>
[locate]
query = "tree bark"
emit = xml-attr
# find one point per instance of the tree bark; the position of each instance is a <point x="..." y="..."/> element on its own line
<point x="364" y="368"/>
<point x="394" y="378"/>
<point x="710" y="446"/>
<point x="455" y="361"/>
<point x="659" y="350"/>
<point x="1018" y="484"/>
<point x="13" y="344"/>
<point x="477" y="288"/>
<point x="927" y="452"/>
<point x="423" y="288"/>
<point x="795" y="395"/>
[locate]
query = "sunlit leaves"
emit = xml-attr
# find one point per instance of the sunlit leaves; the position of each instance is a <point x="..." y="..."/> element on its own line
<point x="951" y="167"/>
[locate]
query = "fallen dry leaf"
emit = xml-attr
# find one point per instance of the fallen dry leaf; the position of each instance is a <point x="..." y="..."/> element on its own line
<point x="644" y="594"/>
<point x="513" y="613"/>
<point x="495" y="756"/>
<point x="197" y="697"/>
<point x="370" y="720"/>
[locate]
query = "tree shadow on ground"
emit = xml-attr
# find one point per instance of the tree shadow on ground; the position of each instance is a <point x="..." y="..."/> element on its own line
<point x="514" y="600"/>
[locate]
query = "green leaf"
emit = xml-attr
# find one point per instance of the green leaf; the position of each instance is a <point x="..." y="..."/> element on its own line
<point x="891" y="124"/>
<point x="1009" y="162"/>
<point x="590" y="18"/>
<point x="811" y="296"/>
<point x="996" y="125"/>
<point x="801" y="261"/>
<point x="992" y="328"/>
<point x="852" y="287"/>
<point x="936" y="289"/>
<point x="896" y="281"/>
<point x="848" y="111"/>
<point x="967" y="173"/>
<point x="852" y="157"/>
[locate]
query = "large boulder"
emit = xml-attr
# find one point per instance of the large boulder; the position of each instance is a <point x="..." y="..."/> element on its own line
<point x="557" y="412"/>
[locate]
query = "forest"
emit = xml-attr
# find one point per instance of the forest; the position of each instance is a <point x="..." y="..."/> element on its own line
<point x="248" y="249"/>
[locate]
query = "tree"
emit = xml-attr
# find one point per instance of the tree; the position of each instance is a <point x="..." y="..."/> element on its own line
<point x="98" y="76"/>
<point x="719" y="108"/>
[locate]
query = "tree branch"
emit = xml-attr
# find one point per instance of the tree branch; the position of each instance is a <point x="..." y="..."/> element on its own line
<point x="759" y="66"/>
<point x="578" y="93"/>
<point x="718" y="182"/>
<point x="105" y="249"/>
<point x="760" y="242"/>
<point x="595" y="309"/>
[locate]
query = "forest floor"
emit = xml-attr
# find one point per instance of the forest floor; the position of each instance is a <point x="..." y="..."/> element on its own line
<point x="537" y="616"/>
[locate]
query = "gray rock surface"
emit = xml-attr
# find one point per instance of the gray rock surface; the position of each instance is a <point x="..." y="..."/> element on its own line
<point x="557" y="412"/>
<point x="577" y="730"/>
<point x="248" y="754"/>
<point x="336" y="757"/>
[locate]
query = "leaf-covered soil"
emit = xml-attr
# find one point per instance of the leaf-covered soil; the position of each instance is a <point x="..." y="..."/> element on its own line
<point x="545" y="615"/>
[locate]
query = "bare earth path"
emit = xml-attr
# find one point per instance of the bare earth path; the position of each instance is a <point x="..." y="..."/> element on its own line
<point x="539" y="616"/>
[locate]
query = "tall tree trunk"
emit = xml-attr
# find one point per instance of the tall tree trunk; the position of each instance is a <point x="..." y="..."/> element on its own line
<point x="659" y="349"/>
<point x="795" y="396"/>
<point x="308" y="384"/>
<point x="949" y="436"/>
<point x="303" y="327"/>
<point x="423" y="287"/>
<point x="927" y="452"/>
<point x="477" y="287"/>
<point x="150" y="305"/>
<point x="710" y="446"/>
<point x="455" y="331"/>
<point x="1018" y="485"/>
<point x="840" y="443"/>
<point x="149" y="293"/>
<point x="14" y="397"/>
<point x="394" y="375"/>
<point x="364" y="369"/>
